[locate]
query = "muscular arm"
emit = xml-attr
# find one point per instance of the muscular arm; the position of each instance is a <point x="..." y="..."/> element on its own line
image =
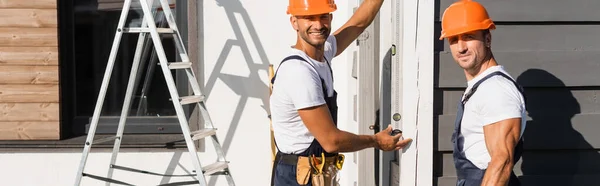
<point x="359" y="21"/>
<point x="318" y="121"/>
<point x="501" y="139"/>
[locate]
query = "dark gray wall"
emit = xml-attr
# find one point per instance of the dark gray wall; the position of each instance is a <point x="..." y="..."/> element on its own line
<point x="552" y="48"/>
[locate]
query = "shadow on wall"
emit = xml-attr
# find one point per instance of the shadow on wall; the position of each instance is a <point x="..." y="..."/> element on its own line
<point x="245" y="87"/>
<point x="555" y="153"/>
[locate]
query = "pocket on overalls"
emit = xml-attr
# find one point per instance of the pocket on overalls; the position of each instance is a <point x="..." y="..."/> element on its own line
<point x="303" y="170"/>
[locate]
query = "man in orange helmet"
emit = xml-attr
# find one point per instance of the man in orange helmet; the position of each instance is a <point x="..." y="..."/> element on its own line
<point x="303" y="101"/>
<point x="491" y="114"/>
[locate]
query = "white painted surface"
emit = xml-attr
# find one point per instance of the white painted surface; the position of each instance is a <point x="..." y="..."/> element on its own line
<point x="417" y="92"/>
<point x="426" y="74"/>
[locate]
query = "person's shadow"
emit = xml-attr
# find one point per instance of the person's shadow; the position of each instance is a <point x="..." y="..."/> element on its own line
<point x="555" y="153"/>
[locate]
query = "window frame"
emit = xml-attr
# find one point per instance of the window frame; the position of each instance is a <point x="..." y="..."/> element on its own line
<point x="169" y="137"/>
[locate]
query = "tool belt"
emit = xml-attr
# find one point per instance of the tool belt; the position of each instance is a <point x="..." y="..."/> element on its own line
<point x="313" y="168"/>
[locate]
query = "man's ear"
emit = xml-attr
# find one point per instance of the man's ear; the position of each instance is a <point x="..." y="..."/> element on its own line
<point x="294" y="22"/>
<point x="488" y="39"/>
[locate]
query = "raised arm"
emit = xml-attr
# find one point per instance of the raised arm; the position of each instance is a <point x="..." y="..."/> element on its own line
<point x="359" y="21"/>
<point x="319" y="123"/>
<point x="501" y="139"/>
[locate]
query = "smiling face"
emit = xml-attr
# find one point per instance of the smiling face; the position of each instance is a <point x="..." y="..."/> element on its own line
<point x="470" y="49"/>
<point x="313" y="29"/>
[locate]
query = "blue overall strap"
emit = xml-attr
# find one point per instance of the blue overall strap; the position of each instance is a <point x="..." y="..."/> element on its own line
<point x="296" y="57"/>
<point x="476" y="85"/>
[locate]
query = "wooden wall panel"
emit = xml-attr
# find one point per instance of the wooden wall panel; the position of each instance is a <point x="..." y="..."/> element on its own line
<point x="28" y="18"/>
<point x="531" y="67"/>
<point x="542" y="133"/>
<point x="29" y="112"/>
<point x="29" y="56"/>
<point x="39" y="4"/>
<point x="17" y="37"/>
<point x="29" y="130"/>
<point x="28" y="93"/>
<point x="536" y="10"/>
<point x="29" y="75"/>
<point x="559" y="50"/>
<point x="29" y="79"/>
<point x="549" y="101"/>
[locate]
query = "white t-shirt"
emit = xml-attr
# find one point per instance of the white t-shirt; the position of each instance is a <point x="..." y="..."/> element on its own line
<point x="496" y="99"/>
<point x="297" y="85"/>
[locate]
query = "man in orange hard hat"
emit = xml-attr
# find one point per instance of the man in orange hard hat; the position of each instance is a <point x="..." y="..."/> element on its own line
<point x="491" y="114"/>
<point x="303" y="101"/>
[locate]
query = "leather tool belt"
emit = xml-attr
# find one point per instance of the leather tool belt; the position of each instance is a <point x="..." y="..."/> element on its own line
<point x="314" y="169"/>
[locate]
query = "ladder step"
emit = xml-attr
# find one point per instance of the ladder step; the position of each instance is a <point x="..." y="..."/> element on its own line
<point x="202" y="133"/>
<point x="215" y="167"/>
<point x="191" y="99"/>
<point x="105" y="139"/>
<point x="147" y="30"/>
<point x="180" y="65"/>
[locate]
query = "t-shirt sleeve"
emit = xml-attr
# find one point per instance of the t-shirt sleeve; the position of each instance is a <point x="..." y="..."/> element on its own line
<point x="330" y="47"/>
<point x="503" y="101"/>
<point x="301" y="83"/>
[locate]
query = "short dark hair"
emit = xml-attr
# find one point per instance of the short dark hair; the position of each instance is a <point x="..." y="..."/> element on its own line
<point x="485" y="32"/>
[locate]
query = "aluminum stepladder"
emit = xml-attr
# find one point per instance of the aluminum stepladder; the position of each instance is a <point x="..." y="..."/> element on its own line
<point x="221" y="166"/>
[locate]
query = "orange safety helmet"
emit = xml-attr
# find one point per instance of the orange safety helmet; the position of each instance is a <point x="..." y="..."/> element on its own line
<point x="311" y="7"/>
<point x="465" y="16"/>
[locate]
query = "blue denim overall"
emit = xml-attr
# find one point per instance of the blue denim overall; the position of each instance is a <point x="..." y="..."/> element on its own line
<point x="284" y="168"/>
<point x="467" y="173"/>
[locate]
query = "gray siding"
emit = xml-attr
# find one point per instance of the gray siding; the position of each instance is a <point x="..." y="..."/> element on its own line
<point x="552" y="49"/>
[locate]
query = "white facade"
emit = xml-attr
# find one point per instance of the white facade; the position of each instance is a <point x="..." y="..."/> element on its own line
<point x="240" y="39"/>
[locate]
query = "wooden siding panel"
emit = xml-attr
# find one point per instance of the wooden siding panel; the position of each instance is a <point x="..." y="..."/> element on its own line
<point x="546" y="132"/>
<point x="573" y="49"/>
<point x="550" y="101"/>
<point x="534" y="68"/>
<point x="29" y="90"/>
<point x="29" y="112"/>
<point x="28" y="18"/>
<point x="535" y="10"/>
<point x="535" y="180"/>
<point x="29" y="130"/>
<point x="39" y="4"/>
<point x="28" y="56"/>
<point x="14" y="37"/>
<point x="532" y="38"/>
<point x="28" y="75"/>
<point x="538" y="163"/>
<point x="28" y="93"/>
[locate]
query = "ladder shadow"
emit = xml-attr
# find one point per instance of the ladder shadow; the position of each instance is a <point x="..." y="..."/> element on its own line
<point x="108" y="180"/>
<point x="123" y="168"/>
<point x="246" y="87"/>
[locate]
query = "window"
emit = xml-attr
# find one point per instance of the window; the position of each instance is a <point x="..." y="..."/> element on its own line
<point x="85" y="49"/>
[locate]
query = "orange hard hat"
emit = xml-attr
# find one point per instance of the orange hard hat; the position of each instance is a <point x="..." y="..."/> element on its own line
<point x="311" y="7"/>
<point x="465" y="16"/>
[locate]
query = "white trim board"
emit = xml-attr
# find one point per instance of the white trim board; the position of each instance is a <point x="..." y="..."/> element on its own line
<point x="412" y="90"/>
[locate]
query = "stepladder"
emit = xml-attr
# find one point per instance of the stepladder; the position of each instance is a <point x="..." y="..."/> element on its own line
<point x="149" y="31"/>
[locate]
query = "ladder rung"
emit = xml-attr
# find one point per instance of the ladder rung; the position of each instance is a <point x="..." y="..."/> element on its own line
<point x="202" y="133"/>
<point x="215" y="167"/>
<point x="180" y="65"/>
<point x="105" y="139"/>
<point x="191" y="99"/>
<point x="147" y="30"/>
